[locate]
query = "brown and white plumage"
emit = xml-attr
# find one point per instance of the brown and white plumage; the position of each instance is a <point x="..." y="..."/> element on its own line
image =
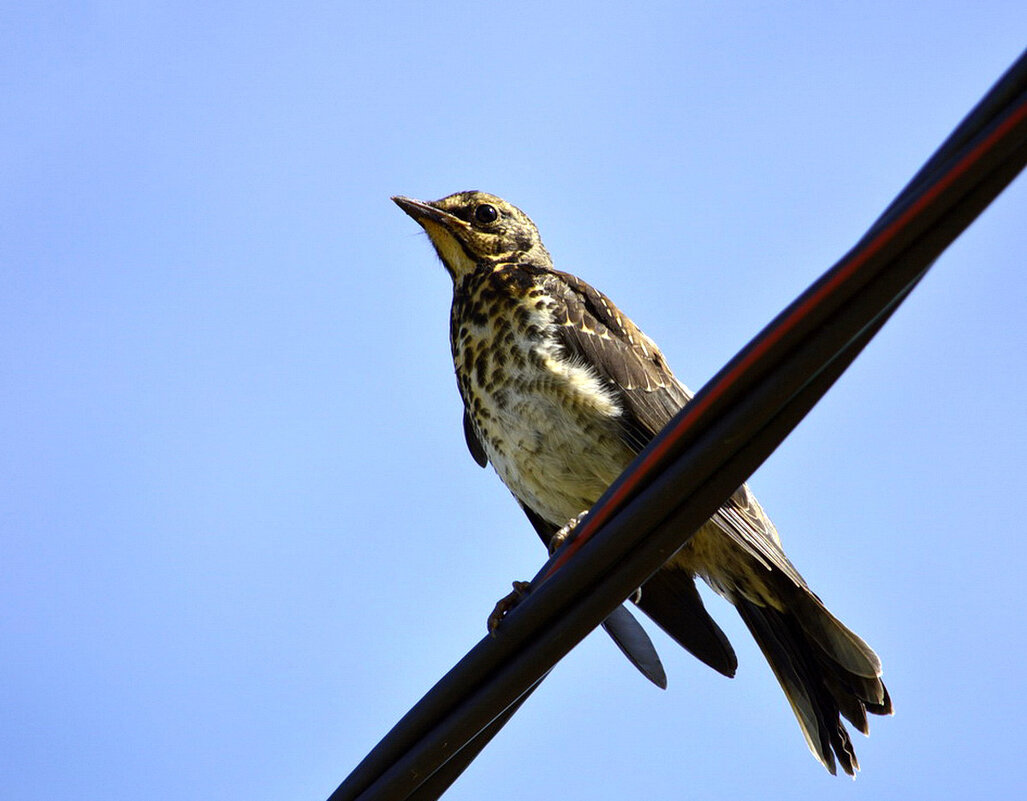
<point x="561" y="390"/>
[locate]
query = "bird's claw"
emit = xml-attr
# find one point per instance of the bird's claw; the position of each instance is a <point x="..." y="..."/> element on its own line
<point x="506" y="604"/>
<point x="561" y="536"/>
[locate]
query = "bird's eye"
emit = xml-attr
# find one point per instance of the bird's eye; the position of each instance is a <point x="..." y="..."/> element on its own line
<point x="486" y="214"/>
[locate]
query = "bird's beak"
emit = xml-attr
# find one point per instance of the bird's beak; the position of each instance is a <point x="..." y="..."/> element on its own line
<point x="446" y="232"/>
<point x="423" y="212"/>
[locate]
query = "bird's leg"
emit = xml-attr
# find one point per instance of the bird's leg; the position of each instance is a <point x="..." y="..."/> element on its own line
<point x="522" y="588"/>
<point x="561" y="536"/>
<point x="503" y="607"/>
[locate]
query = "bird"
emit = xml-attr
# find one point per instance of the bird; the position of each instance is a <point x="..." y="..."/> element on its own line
<point x="561" y="390"/>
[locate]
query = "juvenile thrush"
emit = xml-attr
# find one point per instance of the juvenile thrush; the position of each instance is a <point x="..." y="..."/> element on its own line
<point x="561" y="390"/>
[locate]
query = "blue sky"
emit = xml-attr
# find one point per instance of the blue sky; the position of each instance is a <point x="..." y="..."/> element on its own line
<point x="240" y="534"/>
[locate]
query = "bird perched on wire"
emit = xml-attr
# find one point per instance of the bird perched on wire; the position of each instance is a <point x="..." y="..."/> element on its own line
<point x="561" y="391"/>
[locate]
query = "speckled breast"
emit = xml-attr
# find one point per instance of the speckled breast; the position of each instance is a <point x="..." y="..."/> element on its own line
<point x="547" y="423"/>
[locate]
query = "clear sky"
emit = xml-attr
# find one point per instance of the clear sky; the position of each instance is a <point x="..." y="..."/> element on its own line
<point x="240" y="534"/>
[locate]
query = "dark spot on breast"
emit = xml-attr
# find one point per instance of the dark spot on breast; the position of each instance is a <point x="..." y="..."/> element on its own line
<point x="497" y="377"/>
<point x="480" y="366"/>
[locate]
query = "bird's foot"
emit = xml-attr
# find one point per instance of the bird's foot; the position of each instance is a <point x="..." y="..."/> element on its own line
<point x="506" y="604"/>
<point x="561" y="536"/>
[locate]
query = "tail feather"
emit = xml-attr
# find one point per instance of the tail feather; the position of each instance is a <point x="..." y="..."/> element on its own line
<point x="635" y="644"/>
<point x="671" y="598"/>
<point x="842" y="644"/>
<point x="825" y="670"/>
<point x="852" y="709"/>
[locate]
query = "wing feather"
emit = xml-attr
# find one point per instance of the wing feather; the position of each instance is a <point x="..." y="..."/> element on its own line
<point x="592" y="329"/>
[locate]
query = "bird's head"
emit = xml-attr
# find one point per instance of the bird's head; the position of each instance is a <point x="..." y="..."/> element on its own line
<point x="472" y="228"/>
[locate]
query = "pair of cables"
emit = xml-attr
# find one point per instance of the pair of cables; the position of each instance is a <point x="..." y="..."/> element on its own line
<point x="706" y="452"/>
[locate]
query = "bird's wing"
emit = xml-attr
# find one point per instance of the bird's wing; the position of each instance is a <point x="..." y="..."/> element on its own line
<point x="591" y="328"/>
<point x="743" y="519"/>
<point x="473" y="443"/>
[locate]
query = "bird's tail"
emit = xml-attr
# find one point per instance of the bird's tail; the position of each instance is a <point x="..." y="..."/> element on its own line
<point x="826" y="671"/>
